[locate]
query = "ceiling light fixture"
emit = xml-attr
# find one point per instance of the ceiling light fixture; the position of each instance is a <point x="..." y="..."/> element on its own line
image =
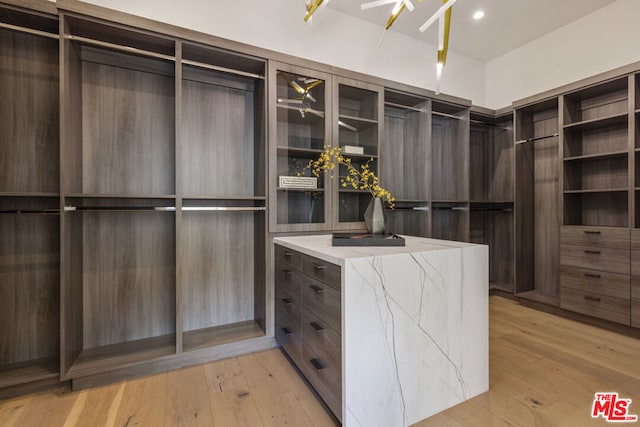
<point x="479" y="14"/>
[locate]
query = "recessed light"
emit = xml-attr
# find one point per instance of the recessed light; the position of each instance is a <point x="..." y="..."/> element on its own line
<point x="478" y="15"/>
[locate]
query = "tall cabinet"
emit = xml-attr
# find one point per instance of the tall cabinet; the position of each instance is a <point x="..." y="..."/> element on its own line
<point x="29" y="197"/>
<point x="163" y="165"/>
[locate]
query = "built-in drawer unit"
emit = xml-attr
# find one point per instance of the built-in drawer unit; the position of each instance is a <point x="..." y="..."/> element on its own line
<point x="595" y="258"/>
<point x="595" y="272"/>
<point x="635" y="278"/>
<point x="309" y="321"/>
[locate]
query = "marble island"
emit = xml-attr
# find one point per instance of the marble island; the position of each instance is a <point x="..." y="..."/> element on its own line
<point x="414" y="326"/>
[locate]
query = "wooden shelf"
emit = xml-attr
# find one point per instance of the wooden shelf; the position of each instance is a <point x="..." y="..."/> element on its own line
<point x="206" y="197"/>
<point x="219" y="335"/>
<point x="99" y="359"/>
<point x="34" y="370"/>
<point x="119" y="196"/>
<point x="616" y="119"/>
<point x="360" y="156"/>
<point x="306" y="153"/>
<point x="27" y="194"/>
<point x="540" y="297"/>
<point x="295" y="117"/>
<point x="313" y="190"/>
<point x="597" y="190"/>
<point x="357" y="122"/>
<point x="597" y="156"/>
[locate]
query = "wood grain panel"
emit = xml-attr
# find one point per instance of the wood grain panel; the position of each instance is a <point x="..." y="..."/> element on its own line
<point x="546" y="212"/>
<point x="610" y="173"/>
<point x="502" y="183"/>
<point x="218" y="140"/>
<point x="600" y="306"/>
<point x="603" y="139"/>
<point x="327" y="381"/>
<point x="450" y="224"/>
<point x="218" y="283"/>
<point x="596" y="282"/>
<point x="408" y="222"/>
<point x="524" y="217"/>
<point x="128" y="277"/>
<point x="596" y="258"/>
<point x="323" y="301"/>
<point x="635" y="302"/>
<point x="128" y="122"/>
<point x="617" y="238"/>
<point x="287" y="256"/>
<point x="325" y="341"/>
<point x="449" y="159"/>
<point x="597" y="209"/>
<point x="480" y="167"/>
<point x="326" y="272"/>
<point x="495" y="228"/>
<point x="635" y="240"/>
<point x="29" y="113"/>
<point x="29" y="287"/>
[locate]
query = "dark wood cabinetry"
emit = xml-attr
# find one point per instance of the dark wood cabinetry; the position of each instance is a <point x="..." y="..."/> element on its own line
<point x="308" y="320"/>
<point x="29" y="197"/>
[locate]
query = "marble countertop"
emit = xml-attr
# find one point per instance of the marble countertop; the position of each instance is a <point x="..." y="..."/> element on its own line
<point x="320" y="246"/>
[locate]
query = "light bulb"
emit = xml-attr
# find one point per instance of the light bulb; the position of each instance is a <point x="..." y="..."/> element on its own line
<point x="478" y="15"/>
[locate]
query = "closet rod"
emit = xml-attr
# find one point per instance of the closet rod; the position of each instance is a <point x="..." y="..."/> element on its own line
<point x="29" y="30"/>
<point x="222" y="69"/>
<point x="119" y="47"/>
<point x="451" y="116"/>
<point x="224" y="208"/>
<point x="404" y="107"/>
<point x="450" y="208"/>
<point x="411" y="208"/>
<point x="119" y="208"/>
<point x="30" y="211"/>
<point x="492" y="209"/>
<point x="522" y="141"/>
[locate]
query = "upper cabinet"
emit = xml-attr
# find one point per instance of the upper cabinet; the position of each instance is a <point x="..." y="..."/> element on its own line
<point x="300" y="128"/>
<point x="357" y="130"/>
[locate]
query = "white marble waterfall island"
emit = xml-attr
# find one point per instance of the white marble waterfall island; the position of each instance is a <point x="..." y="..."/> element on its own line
<point x="414" y="326"/>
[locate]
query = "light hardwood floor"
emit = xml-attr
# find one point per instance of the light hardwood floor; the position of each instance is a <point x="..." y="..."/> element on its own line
<point x="544" y="371"/>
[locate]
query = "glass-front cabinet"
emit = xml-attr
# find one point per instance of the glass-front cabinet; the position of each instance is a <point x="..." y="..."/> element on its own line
<point x="300" y="126"/>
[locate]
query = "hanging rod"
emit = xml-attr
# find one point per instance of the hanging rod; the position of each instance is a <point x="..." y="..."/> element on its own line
<point x="404" y="107"/>
<point x="492" y="209"/>
<point x="30" y="211"/>
<point x="29" y="31"/>
<point x="119" y="208"/>
<point x="119" y="47"/>
<point x="411" y="208"/>
<point x="522" y="141"/>
<point x="222" y="69"/>
<point x="224" y="208"/>
<point x="450" y="208"/>
<point x="451" y="116"/>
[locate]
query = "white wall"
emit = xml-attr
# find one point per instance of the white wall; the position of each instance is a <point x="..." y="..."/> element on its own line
<point x="333" y="38"/>
<point x="603" y="40"/>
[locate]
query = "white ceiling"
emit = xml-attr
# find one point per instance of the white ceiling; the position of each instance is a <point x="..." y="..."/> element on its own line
<point x="507" y="24"/>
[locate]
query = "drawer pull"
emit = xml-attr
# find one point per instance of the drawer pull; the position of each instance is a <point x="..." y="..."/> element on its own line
<point x="591" y="298"/>
<point x="597" y="276"/>
<point x="287" y="272"/>
<point x="286" y="331"/>
<point x="319" y="266"/>
<point x="318" y="327"/>
<point x="317" y="364"/>
<point x="287" y="301"/>
<point x="317" y="289"/>
<point x="589" y="251"/>
<point x="591" y="232"/>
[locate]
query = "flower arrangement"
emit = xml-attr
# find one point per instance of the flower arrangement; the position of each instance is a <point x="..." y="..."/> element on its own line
<point x="362" y="178"/>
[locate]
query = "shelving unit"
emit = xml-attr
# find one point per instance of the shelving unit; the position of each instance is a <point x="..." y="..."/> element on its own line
<point x="359" y="119"/>
<point x="596" y="155"/>
<point x="491" y="193"/>
<point x="29" y="198"/>
<point x="537" y="201"/>
<point x="406" y="162"/>
<point x="222" y="151"/>
<point x="300" y="128"/>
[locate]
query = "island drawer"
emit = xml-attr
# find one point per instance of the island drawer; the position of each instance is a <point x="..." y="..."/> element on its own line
<point x="323" y="339"/>
<point x="323" y="301"/>
<point x="322" y="271"/>
<point x="596" y="282"/>
<point x="289" y="281"/>
<point x="604" y="237"/>
<point x="324" y="378"/>
<point x="287" y="256"/>
<point x="596" y="258"/>
<point x="290" y="341"/>
<point x="596" y="305"/>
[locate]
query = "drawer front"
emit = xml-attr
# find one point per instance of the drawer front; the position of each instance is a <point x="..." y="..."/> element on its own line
<point x="322" y="301"/>
<point x="596" y="282"/>
<point x="289" y="257"/>
<point x="323" y="377"/>
<point x="635" y="303"/>
<point x="289" y="281"/>
<point x="290" y="342"/>
<point x="614" y="309"/>
<point x="322" y="271"/>
<point x="289" y="312"/>
<point x="596" y="258"/>
<point x="635" y="263"/>
<point x="604" y="237"/>
<point x="325" y="341"/>
<point x="635" y="239"/>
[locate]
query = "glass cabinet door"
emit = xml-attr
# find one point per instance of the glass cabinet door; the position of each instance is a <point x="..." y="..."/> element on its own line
<point x="299" y="120"/>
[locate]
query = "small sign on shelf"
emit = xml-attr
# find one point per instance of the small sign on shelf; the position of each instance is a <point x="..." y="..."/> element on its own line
<point x="353" y="149"/>
<point x="305" y="182"/>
